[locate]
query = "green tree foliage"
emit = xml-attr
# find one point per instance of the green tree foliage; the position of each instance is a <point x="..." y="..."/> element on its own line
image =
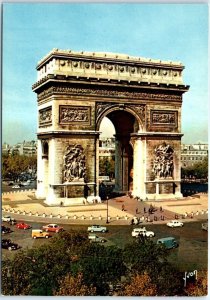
<point x="198" y="170"/>
<point x="55" y="269"/>
<point x="100" y="265"/>
<point x="107" y="166"/>
<point x="145" y="256"/>
<point x="74" y="286"/>
<point x="14" y="165"/>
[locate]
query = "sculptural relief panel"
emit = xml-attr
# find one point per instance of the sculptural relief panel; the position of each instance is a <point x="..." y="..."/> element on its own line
<point x="163" y="164"/>
<point x="164" y="117"/>
<point x="45" y="117"/>
<point x="74" y="114"/>
<point x="74" y="164"/>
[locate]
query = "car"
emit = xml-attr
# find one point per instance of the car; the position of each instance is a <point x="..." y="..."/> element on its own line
<point x="97" y="228"/>
<point x="96" y="239"/>
<point x="22" y="226"/>
<point x="9" y="220"/>
<point x="204" y="226"/>
<point x="17" y="186"/>
<point x="38" y="233"/>
<point x="137" y="232"/>
<point x="52" y="228"/>
<point x="5" y="229"/>
<point x="9" y="245"/>
<point x="168" y="242"/>
<point x="175" y="223"/>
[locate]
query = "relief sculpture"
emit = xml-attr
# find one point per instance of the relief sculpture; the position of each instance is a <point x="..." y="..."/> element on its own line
<point x="45" y="116"/>
<point x="163" y="164"/>
<point x="70" y="114"/>
<point x="164" y="117"/>
<point x="74" y="164"/>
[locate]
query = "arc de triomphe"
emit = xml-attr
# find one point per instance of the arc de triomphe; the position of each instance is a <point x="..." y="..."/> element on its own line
<point x="143" y="99"/>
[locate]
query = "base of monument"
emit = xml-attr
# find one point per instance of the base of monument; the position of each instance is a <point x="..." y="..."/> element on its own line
<point x="65" y="201"/>
<point x="164" y="196"/>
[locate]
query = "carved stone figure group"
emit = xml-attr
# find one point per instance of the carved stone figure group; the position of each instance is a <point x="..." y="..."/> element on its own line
<point x="74" y="163"/>
<point x="163" y="164"/>
<point x="73" y="114"/>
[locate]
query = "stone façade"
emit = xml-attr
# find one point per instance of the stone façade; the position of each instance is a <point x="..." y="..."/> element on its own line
<point x="76" y="90"/>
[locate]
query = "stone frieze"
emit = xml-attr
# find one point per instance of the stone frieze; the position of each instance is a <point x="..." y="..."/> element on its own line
<point x="107" y="93"/>
<point x="74" y="114"/>
<point x="164" y="117"/>
<point x="45" y="116"/>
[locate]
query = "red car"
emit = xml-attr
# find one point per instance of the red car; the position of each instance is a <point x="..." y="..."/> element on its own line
<point x="22" y="226"/>
<point x="52" y="228"/>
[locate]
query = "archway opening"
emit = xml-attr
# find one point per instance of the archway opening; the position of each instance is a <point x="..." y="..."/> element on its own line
<point x="123" y="124"/>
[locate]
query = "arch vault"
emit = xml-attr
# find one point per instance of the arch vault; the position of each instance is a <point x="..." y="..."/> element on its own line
<point x="142" y="98"/>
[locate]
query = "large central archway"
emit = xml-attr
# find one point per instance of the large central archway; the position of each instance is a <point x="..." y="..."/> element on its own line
<point x="125" y="123"/>
<point x="141" y="97"/>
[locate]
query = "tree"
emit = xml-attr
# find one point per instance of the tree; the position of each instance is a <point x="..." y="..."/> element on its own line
<point x="198" y="170"/>
<point x="74" y="286"/>
<point x="107" y="166"/>
<point x="140" y="285"/>
<point x="144" y="256"/>
<point x="14" y="165"/>
<point x="100" y="265"/>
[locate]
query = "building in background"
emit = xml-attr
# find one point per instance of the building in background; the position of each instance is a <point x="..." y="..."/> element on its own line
<point x="107" y="147"/>
<point x="192" y="154"/>
<point x="27" y="148"/>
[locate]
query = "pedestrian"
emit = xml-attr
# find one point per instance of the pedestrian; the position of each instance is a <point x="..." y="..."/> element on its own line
<point x="161" y="209"/>
<point x="145" y="210"/>
<point x="137" y="210"/>
<point x="123" y="207"/>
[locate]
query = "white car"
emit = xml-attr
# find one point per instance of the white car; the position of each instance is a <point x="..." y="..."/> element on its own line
<point x="97" y="228"/>
<point x="142" y="232"/>
<point x="15" y="186"/>
<point x="8" y="219"/>
<point x="174" y="223"/>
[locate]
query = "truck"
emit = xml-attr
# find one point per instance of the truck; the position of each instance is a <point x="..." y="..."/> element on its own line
<point x="38" y="233"/>
<point x="168" y="242"/>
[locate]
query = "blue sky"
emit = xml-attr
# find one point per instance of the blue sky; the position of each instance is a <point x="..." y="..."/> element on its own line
<point x="176" y="32"/>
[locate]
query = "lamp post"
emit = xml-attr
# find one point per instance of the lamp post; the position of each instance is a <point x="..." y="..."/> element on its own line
<point x="107" y="209"/>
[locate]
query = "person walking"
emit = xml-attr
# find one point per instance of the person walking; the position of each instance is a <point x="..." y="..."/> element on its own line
<point x="123" y="207"/>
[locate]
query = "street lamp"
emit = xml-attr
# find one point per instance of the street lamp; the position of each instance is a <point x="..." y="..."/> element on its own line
<point x="107" y="209"/>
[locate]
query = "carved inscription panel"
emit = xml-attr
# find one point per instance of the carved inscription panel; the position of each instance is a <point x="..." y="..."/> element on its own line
<point x="164" y="117"/>
<point x="74" y="114"/>
<point x="45" y="117"/>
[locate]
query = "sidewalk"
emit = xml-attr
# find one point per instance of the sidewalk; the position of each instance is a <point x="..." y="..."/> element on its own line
<point x="26" y="205"/>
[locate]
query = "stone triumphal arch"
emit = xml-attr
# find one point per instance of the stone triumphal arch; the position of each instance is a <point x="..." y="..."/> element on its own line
<point x="143" y="99"/>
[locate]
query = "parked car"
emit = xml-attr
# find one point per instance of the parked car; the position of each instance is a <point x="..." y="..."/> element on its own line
<point x="174" y="223"/>
<point x="136" y="232"/>
<point x="168" y="242"/>
<point x="96" y="239"/>
<point x="5" y="229"/>
<point x="8" y="244"/>
<point x="22" y="226"/>
<point x="38" y="233"/>
<point x="52" y="228"/>
<point x="97" y="228"/>
<point x="9" y="220"/>
<point x="17" y="186"/>
<point x="204" y="226"/>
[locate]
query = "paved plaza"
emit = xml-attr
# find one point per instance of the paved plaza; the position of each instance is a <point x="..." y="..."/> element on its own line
<point x="25" y="204"/>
